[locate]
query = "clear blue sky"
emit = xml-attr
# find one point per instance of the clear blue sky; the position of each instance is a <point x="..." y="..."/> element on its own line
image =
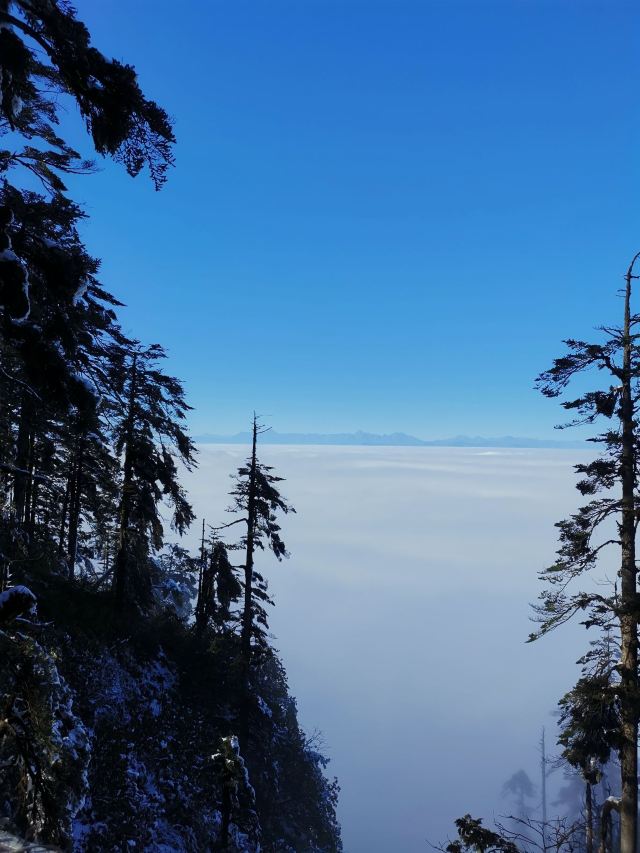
<point x="385" y="215"/>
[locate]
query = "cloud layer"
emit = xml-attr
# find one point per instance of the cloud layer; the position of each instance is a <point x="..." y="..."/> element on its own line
<point x="401" y="618"/>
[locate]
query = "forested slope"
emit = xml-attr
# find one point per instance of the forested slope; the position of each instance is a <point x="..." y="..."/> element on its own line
<point x="141" y="703"/>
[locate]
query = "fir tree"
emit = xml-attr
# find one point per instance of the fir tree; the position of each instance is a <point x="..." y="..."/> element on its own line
<point x="219" y="588"/>
<point x="151" y="439"/>
<point x="57" y="464"/>
<point x="257" y="499"/>
<point x="590" y="730"/>
<point x="611" y="481"/>
<point x="521" y="789"/>
<point x="46" y="52"/>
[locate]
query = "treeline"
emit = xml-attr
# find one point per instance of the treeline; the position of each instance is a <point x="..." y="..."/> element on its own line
<point x="92" y="439"/>
<point x="593" y="579"/>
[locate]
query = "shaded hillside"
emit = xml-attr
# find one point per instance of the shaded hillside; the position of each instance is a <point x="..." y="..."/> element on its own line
<point x="113" y="734"/>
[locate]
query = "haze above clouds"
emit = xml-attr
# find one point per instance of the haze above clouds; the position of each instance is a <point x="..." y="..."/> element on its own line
<point x="401" y="617"/>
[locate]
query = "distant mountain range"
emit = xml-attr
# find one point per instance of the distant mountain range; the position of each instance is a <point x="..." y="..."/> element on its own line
<point x="394" y="439"/>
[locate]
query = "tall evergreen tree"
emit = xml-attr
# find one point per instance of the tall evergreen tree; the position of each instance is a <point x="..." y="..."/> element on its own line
<point x="151" y="439"/>
<point x="257" y="499"/>
<point x="54" y="369"/>
<point x="618" y="357"/>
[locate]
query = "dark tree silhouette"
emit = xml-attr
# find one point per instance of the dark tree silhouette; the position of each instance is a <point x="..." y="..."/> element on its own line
<point x="614" y="471"/>
<point x="257" y="499"/>
<point x="590" y="730"/>
<point x="46" y="52"/>
<point x="473" y="836"/>
<point x="219" y="588"/>
<point x="151" y="439"/>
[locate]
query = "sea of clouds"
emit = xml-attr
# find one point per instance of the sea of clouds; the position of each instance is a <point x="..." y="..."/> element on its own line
<point x="402" y="616"/>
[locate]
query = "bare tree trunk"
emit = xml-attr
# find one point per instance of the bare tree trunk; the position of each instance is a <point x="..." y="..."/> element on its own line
<point x="589" y="819"/>
<point x="628" y="616"/>
<point x="225" y="812"/>
<point x="76" y="504"/>
<point x="609" y="805"/>
<point x="35" y="484"/>
<point x="65" y="507"/>
<point x="29" y="487"/>
<point x="543" y="788"/>
<point x="106" y="553"/>
<point x="200" y="605"/>
<point x="122" y="557"/>
<point x="23" y="442"/>
<point x="247" y="613"/>
<point x="35" y="495"/>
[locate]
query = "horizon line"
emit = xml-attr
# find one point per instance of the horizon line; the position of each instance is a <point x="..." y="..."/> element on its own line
<point x="394" y="439"/>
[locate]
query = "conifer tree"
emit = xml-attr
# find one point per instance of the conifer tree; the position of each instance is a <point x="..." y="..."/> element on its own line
<point x="91" y="440"/>
<point x="473" y="837"/>
<point x="151" y="439"/>
<point x="46" y="52"/>
<point x="257" y="498"/>
<point x="54" y="376"/>
<point x="174" y="580"/>
<point x="590" y="730"/>
<point x="611" y="481"/>
<point x="219" y="588"/>
<point x="521" y="788"/>
<point x="237" y="800"/>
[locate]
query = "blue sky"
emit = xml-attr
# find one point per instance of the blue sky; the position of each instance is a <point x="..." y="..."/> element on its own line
<point x="385" y="215"/>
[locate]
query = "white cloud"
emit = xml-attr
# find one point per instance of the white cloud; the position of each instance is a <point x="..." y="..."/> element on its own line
<point x="401" y="617"/>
